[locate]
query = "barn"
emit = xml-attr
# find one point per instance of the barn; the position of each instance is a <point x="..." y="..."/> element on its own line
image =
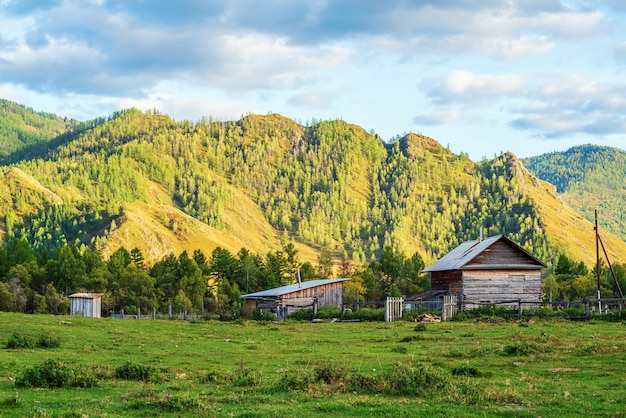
<point x="85" y="304"/>
<point x="488" y="271"/>
<point x="287" y="299"/>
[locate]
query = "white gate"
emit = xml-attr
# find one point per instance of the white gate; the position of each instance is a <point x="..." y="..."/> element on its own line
<point x="449" y="308"/>
<point x="393" y="309"/>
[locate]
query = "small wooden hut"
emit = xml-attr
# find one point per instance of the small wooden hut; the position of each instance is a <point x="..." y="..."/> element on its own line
<point x="488" y="271"/>
<point x="286" y="299"/>
<point x="85" y="304"/>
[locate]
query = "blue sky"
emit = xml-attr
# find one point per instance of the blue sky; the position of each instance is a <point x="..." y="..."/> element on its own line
<point x="479" y="76"/>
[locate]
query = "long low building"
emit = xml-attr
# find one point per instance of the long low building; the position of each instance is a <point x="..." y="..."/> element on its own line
<point x="285" y="299"/>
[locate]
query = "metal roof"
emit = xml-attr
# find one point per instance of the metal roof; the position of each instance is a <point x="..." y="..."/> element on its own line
<point x="467" y="251"/>
<point x="283" y="290"/>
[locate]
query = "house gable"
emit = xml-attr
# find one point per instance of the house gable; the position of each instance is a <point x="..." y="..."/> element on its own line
<point x="503" y="254"/>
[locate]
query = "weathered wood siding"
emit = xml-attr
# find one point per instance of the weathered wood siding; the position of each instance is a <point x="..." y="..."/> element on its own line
<point x="500" y="285"/>
<point x="327" y="295"/>
<point x="451" y="280"/>
<point x="502" y="252"/>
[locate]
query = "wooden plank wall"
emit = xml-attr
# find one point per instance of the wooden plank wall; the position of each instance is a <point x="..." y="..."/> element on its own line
<point x="502" y="252"/>
<point x="447" y="280"/>
<point x="327" y="295"/>
<point x="500" y="285"/>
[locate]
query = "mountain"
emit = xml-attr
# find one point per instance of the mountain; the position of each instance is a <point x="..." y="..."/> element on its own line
<point x="22" y="127"/>
<point x="588" y="177"/>
<point x="141" y="179"/>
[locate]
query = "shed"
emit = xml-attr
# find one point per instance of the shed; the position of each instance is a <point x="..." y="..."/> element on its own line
<point x="85" y="304"/>
<point x="488" y="271"/>
<point x="285" y="299"/>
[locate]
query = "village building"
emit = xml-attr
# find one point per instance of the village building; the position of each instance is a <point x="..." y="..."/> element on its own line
<point x="492" y="270"/>
<point x="86" y="304"/>
<point x="287" y="299"/>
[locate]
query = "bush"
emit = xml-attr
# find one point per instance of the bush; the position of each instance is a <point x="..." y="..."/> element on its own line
<point x="521" y="349"/>
<point x="52" y="374"/>
<point x="134" y="371"/>
<point x="49" y="341"/>
<point x="469" y="371"/>
<point x="367" y="314"/>
<point x="329" y="374"/>
<point x="17" y="340"/>
<point x="489" y="311"/>
<point x="265" y="316"/>
<point x="405" y="379"/>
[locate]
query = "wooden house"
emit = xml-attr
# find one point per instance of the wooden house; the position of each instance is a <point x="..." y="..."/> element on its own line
<point x="286" y="299"/>
<point x="488" y="271"/>
<point x="85" y="304"/>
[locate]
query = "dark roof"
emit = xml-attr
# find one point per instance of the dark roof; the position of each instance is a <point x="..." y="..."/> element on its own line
<point x="283" y="290"/>
<point x="465" y="253"/>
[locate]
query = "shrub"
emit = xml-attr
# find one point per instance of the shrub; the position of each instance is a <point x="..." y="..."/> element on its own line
<point x="265" y="316"/>
<point x="489" y="311"/>
<point x="420" y="327"/>
<point x="52" y="374"/>
<point x="300" y="380"/>
<point x="134" y="371"/>
<point x="18" y="340"/>
<point x="367" y="314"/>
<point x="329" y="374"/>
<point x="49" y="341"/>
<point x="469" y="371"/>
<point x="521" y="349"/>
<point x="405" y="379"/>
<point x="360" y="382"/>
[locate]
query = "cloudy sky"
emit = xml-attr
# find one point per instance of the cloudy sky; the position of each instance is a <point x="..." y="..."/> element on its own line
<point x="479" y="76"/>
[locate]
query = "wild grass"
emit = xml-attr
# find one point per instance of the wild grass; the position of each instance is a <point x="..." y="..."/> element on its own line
<point x="249" y="368"/>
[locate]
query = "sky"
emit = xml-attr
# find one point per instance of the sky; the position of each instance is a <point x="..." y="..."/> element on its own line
<point x="479" y="76"/>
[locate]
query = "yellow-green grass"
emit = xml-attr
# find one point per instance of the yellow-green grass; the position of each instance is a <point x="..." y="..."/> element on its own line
<point x="247" y="368"/>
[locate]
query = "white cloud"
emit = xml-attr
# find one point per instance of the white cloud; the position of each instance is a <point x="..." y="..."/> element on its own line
<point x="461" y="87"/>
<point x="438" y="118"/>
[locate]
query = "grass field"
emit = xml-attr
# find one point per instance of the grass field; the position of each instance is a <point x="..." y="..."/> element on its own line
<point x="157" y="368"/>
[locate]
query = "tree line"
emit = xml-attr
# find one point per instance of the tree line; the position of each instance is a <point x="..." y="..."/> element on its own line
<point x="40" y="282"/>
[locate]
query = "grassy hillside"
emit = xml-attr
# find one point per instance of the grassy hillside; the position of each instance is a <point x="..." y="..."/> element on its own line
<point x="144" y="180"/>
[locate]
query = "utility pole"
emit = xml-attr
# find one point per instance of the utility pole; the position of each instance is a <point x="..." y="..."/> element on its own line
<point x="598" y="260"/>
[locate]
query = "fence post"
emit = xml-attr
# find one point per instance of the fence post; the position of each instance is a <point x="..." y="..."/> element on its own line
<point x="169" y="311"/>
<point x="185" y="314"/>
<point x="138" y="313"/>
<point x="153" y="313"/>
<point x="587" y="308"/>
<point x="122" y="313"/>
<point x="314" y="308"/>
<point x="519" y="307"/>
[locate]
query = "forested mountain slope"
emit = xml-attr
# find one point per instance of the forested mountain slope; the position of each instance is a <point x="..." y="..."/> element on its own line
<point x="21" y="127"/>
<point x="144" y="180"/>
<point x="588" y="177"/>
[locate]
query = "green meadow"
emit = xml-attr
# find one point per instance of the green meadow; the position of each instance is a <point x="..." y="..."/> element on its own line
<point x="130" y="368"/>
